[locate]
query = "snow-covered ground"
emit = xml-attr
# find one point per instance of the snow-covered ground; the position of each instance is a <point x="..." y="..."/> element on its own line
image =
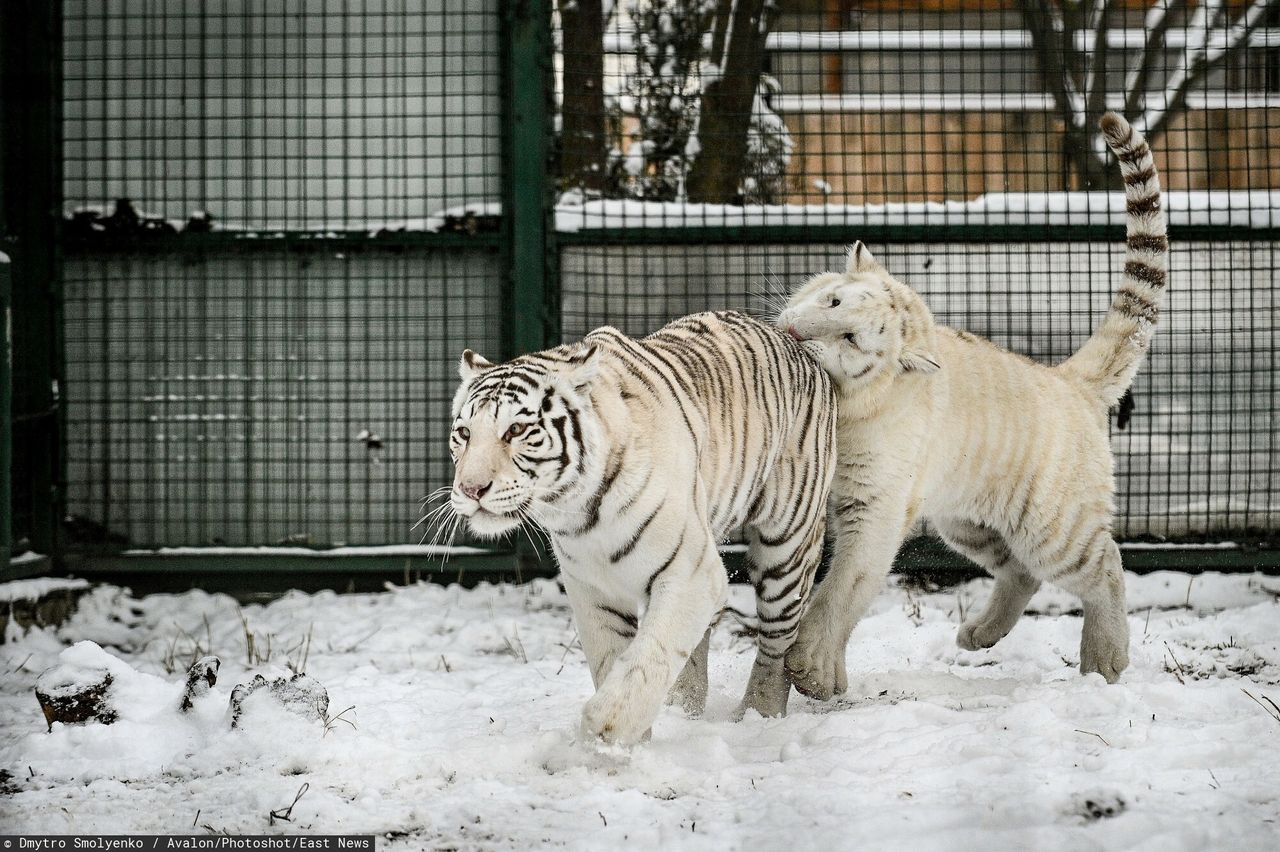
<point x="465" y="704"/>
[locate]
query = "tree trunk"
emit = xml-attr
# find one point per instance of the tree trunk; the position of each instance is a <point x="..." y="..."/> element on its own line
<point x="727" y="100"/>
<point x="1088" y="172"/>
<point x="583" y="137"/>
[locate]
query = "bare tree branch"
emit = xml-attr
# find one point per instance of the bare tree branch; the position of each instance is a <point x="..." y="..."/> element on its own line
<point x="583" y="142"/>
<point x="1152" y="122"/>
<point x="728" y="98"/>
<point x="1157" y="22"/>
<point x="1042" y="20"/>
<point x="1095" y="85"/>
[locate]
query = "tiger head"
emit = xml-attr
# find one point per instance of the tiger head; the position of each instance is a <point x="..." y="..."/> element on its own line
<point x="520" y="434"/>
<point x="861" y="324"/>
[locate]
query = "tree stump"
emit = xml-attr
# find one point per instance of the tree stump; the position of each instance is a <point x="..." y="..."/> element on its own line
<point x="74" y="696"/>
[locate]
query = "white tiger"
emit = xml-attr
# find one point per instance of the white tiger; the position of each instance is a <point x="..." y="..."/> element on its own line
<point x="637" y="457"/>
<point x="1008" y="459"/>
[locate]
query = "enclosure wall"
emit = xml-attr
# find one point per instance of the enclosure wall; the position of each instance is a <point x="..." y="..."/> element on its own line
<point x="282" y="224"/>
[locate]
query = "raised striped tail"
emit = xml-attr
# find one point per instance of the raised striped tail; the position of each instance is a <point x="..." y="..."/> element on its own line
<point x="1110" y="359"/>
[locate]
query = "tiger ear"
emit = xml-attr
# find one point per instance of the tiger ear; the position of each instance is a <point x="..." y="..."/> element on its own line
<point x="860" y="260"/>
<point x="582" y="366"/>
<point x="918" y="361"/>
<point x="472" y="365"/>
<point x="917" y="335"/>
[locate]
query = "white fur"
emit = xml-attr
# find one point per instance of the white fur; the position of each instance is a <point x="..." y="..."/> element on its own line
<point x="668" y="460"/>
<point x="1008" y="459"/>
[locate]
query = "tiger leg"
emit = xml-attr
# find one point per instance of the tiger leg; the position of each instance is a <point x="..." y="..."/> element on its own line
<point x="690" y="690"/>
<point x="782" y="573"/>
<point x="1079" y="555"/>
<point x="684" y="595"/>
<point x="1014" y="585"/>
<point x="1098" y="579"/>
<point x="868" y="532"/>
<point x="605" y="625"/>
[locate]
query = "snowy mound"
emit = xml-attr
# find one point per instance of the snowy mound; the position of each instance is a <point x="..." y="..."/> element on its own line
<point x="453" y="713"/>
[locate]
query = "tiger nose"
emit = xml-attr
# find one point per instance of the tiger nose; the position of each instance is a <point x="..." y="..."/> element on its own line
<point x="474" y="490"/>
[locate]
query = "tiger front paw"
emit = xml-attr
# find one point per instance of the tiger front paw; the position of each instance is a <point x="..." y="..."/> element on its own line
<point x="615" y="720"/>
<point x="979" y="633"/>
<point x="815" y="668"/>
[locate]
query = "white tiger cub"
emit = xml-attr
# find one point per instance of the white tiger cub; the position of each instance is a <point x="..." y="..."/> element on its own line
<point x="1008" y="459"/>
<point x="637" y="457"/>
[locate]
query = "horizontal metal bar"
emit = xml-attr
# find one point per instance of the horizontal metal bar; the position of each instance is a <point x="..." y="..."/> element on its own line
<point x="765" y="234"/>
<point x="678" y="234"/>
<point x="290" y="563"/>
<point x="930" y="554"/>
<point x="921" y="554"/>
<point x="24" y="568"/>
<point x="299" y="241"/>
<point x="989" y="102"/>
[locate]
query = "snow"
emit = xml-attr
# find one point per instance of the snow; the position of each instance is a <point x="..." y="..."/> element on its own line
<point x="466" y="703"/>
<point x="37" y="587"/>
<point x="1236" y="208"/>
<point x="950" y="39"/>
<point x="994" y="102"/>
<point x="26" y="557"/>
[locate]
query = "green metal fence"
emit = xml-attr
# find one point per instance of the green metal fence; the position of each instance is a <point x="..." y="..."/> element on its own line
<point x="281" y="222"/>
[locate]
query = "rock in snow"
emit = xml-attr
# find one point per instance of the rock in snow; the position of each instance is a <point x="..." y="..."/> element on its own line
<point x="299" y="694"/>
<point x="202" y="675"/>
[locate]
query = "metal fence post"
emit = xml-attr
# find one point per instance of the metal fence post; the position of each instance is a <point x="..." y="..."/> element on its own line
<point x="6" y="410"/>
<point x="31" y="178"/>
<point x="531" y="314"/>
<point x="530" y="299"/>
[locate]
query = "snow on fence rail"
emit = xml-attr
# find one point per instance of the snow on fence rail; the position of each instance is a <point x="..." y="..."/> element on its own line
<point x="1255" y="208"/>
<point x="991" y="102"/>
<point x="1229" y="208"/>
<point x="990" y="39"/>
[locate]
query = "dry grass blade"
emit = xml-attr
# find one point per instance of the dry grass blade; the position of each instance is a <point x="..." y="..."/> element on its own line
<point x="1094" y="734"/>
<point x="1177" y="671"/>
<point x="286" y="814"/>
<point x="332" y="721"/>
<point x="1270" y="707"/>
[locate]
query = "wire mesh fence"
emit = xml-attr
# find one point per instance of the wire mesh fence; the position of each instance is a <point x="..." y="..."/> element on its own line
<point x="270" y="264"/>
<point x="284" y="221"/>
<point x="745" y="144"/>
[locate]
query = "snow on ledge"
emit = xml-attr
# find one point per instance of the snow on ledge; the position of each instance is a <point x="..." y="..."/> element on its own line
<point x="1231" y="208"/>
<point x="37" y="587"/>
<point x="331" y="553"/>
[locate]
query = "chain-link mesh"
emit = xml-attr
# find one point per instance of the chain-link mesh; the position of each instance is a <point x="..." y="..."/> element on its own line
<point x="281" y="232"/>
<point x="746" y="144"/>
<point x="283" y="223"/>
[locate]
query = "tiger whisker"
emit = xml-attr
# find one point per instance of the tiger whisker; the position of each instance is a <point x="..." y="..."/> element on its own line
<point x="443" y="507"/>
<point x="442" y="491"/>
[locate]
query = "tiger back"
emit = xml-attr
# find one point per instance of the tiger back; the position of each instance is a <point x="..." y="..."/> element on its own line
<point x="637" y="457"/>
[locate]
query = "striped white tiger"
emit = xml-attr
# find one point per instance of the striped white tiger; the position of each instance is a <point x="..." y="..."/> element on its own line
<point x="1009" y="460"/>
<point x="637" y="456"/>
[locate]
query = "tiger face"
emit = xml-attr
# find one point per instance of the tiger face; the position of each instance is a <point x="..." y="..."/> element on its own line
<point x="860" y="324"/>
<point x="519" y="434"/>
